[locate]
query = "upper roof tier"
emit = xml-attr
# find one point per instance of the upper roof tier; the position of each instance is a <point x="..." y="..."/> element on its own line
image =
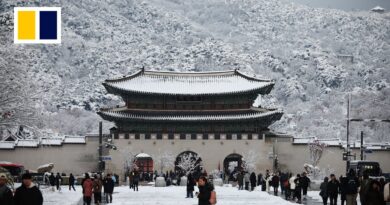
<point x="189" y="83"/>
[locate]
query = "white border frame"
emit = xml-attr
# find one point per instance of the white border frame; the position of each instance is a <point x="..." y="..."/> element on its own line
<point x="37" y="25"/>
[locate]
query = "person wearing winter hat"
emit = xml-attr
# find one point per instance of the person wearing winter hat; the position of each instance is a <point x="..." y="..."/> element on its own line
<point x="28" y="193"/>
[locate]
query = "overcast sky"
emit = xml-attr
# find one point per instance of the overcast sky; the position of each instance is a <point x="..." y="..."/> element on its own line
<point x="345" y="4"/>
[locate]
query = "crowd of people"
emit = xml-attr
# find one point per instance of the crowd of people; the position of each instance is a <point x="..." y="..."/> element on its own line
<point x="94" y="187"/>
<point x="370" y="191"/>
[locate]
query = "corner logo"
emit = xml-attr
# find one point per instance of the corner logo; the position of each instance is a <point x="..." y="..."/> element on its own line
<point x="40" y="25"/>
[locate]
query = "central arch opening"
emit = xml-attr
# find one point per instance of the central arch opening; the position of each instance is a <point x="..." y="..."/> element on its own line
<point x="232" y="164"/>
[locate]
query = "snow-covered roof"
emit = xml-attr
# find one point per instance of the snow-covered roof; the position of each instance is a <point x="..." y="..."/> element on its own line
<point x="7" y="144"/>
<point x="51" y="141"/>
<point x="377" y="8"/>
<point x="249" y="114"/>
<point x="307" y="140"/>
<point x="142" y="155"/>
<point x="189" y="83"/>
<point x="74" y="140"/>
<point x="27" y="143"/>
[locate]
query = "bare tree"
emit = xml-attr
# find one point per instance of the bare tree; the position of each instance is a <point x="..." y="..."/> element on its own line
<point x="316" y="149"/>
<point x="165" y="160"/>
<point x="188" y="162"/>
<point x="130" y="161"/>
<point x="249" y="161"/>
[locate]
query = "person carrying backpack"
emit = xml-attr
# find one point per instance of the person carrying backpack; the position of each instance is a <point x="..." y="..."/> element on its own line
<point x="352" y="187"/>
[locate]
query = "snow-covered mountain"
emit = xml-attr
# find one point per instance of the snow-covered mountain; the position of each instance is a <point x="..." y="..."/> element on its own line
<point x="316" y="56"/>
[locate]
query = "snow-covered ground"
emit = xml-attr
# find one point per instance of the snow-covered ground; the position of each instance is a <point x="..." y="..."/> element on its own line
<point x="315" y="195"/>
<point x="149" y="195"/>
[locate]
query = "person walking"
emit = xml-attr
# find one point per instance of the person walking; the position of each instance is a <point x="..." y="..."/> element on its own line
<point x="305" y="182"/>
<point x="87" y="185"/>
<point x="333" y="189"/>
<point x="28" y="193"/>
<point x="131" y="179"/>
<point x="352" y="187"/>
<point x="364" y="185"/>
<point x="108" y="184"/>
<point x="190" y="186"/>
<point x="247" y="180"/>
<point x="97" y="189"/>
<point x="373" y="195"/>
<point x="71" y="182"/>
<point x="275" y="183"/>
<point x="240" y="181"/>
<point x="259" y="179"/>
<point x="135" y="180"/>
<point x="253" y="181"/>
<point x="324" y="191"/>
<point x="58" y="181"/>
<point x="283" y="179"/>
<point x="343" y="189"/>
<point x="292" y="186"/>
<point x="6" y="195"/>
<point x="52" y="181"/>
<point x="286" y="185"/>
<point x="205" y="190"/>
<point x="298" y="188"/>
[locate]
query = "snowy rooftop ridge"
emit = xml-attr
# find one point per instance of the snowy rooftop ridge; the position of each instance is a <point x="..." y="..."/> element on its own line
<point x="45" y="141"/>
<point x="378" y="8"/>
<point x="253" y="115"/>
<point x="189" y="83"/>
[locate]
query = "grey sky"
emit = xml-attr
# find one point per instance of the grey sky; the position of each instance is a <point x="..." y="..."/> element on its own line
<point x="345" y="4"/>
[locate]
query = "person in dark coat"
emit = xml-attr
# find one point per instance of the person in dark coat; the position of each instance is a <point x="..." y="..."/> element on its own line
<point x="374" y="196"/>
<point x="305" y="184"/>
<point x="71" y="182"/>
<point x="298" y="188"/>
<point x="6" y="196"/>
<point x="205" y="190"/>
<point x="352" y="187"/>
<point x="275" y="183"/>
<point x="252" y="178"/>
<point x="58" y="181"/>
<point x="343" y="188"/>
<point x="283" y="179"/>
<point x="28" y="193"/>
<point x="333" y="189"/>
<point x="190" y="186"/>
<point x="364" y="185"/>
<point x="259" y="179"/>
<point x="324" y="191"/>
<point x="135" y="176"/>
<point x="240" y="180"/>
<point x="52" y="181"/>
<point x="108" y="185"/>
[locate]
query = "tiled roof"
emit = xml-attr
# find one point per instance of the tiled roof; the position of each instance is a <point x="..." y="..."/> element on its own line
<point x="185" y="83"/>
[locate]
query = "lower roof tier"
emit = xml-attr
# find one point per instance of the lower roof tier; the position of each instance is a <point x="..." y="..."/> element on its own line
<point x="251" y="114"/>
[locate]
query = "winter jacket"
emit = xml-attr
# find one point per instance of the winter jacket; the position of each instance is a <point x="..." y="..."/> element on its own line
<point x="58" y="179"/>
<point x="240" y="179"/>
<point x="253" y="179"/>
<point x="352" y="185"/>
<point x="52" y="180"/>
<point x="87" y="187"/>
<point x="305" y="181"/>
<point x="108" y="185"/>
<point x="190" y="183"/>
<point x="324" y="189"/>
<point x="204" y="194"/>
<point x="373" y="197"/>
<point x="246" y="177"/>
<point x="275" y="181"/>
<point x="6" y="196"/>
<point x="97" y="186"/>
<point x="292" y="183"/>
<point x="333" y="187"/>
<point x="28" y="195"/>
<point x="364" y="186"/>
<point x="71" y="180"/>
